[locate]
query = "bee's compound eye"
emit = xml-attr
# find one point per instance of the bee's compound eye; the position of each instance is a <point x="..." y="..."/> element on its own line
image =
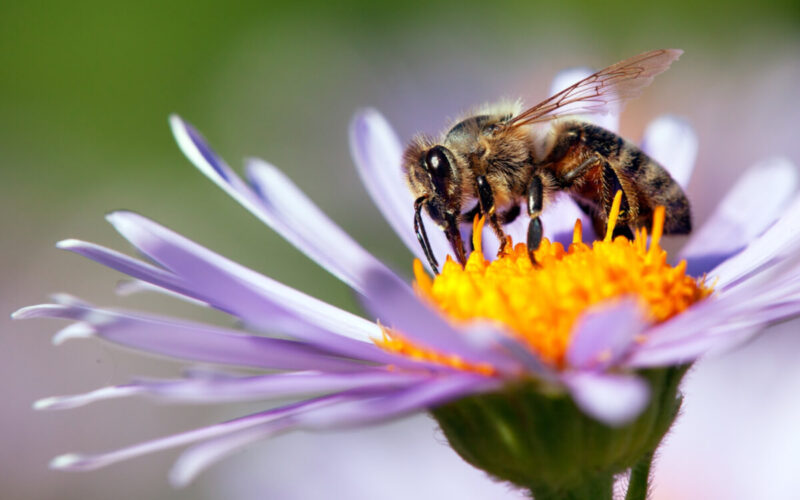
<point x="437" y="163"/>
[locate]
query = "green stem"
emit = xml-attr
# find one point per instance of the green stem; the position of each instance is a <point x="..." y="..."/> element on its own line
<point x="597" y="488"/>
<point x="639" y="484"/>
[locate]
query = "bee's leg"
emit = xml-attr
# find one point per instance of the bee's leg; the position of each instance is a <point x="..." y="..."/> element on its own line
<point x="488" y="208"/>
<point x="577" y="173"/>
<point x="422" y="236"/>
<point x="612" y="184"/>
<point x="510" y="215"/>
<point x="453" y="234"/>
<point x="535" y="201"/>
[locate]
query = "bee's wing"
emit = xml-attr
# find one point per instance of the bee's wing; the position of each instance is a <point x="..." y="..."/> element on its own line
<point x="594" y="93"/>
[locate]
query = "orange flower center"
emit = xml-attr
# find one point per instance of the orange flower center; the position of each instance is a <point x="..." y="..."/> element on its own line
<point x="540" y="304"/>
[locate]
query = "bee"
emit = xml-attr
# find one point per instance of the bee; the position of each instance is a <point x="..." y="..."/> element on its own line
<point x="495" y="161"/>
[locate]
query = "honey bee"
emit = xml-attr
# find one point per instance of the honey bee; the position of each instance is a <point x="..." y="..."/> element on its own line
<point x="504" y="157"/>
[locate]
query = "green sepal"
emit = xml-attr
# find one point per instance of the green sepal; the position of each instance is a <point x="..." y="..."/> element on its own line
<point x="538" y="439"/>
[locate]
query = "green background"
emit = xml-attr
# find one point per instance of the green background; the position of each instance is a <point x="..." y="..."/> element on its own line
<point x="86" y="87"/>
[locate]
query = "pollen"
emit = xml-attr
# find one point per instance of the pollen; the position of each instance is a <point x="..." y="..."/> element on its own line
<point x="540" y="304"/>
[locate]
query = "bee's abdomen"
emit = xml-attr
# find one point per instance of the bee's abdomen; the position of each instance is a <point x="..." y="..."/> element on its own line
<point x="646" y="183"/>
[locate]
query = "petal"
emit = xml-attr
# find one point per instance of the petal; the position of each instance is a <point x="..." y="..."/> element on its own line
<point x="689" y="349"/>
<point x="758" y="198"/>
<point x="80" y="462"/>
<point x="605" y="334"/>
<point x="344" y="414"/>
<point x="612" y="399"/>
<point x="672" y="142"/>
<point x="781" y="240"/>
<point x="127" y="288"/>
<point x="278" y="203"/>
<point x="289" y="211"/>
<point x="723" y="321"/>
<point x="270" y="306"/>
<point x="419" y="397"/>
<point x="249" y="295"/>
<point x="377" y="153"/>
<point x="238" y="389"/>
<point x="399" y="308"/>
<point x="187" y="340"/>
<point x="201" y="456"/>
<point x="127" y="265"/>
<point x="559" y="219"/>
<point x="571" y="76"/>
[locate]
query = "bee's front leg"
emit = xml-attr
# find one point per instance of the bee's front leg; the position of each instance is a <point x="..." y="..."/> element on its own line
<point x="488" y="209"/>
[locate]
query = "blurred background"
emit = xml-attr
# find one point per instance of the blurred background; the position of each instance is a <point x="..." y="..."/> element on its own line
<point x="85" y="90"/>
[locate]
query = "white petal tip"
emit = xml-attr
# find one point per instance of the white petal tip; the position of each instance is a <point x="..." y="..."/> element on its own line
<point x="176" y="123"/>
<point x="26" y="312"/>
<point x="46" y="403"/>
<point x="66" y="299"/>
<point x="179" y="479"/>
<point x="74" y="331"/>
<point x="69" y="461"/>
<point x="68" y="244"/>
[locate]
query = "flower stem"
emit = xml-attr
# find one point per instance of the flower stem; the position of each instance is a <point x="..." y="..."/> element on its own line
<point x="639" y="484"/>
<point x="597" y="488"/>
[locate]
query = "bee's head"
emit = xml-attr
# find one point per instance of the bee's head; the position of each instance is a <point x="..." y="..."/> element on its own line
<point x="431" y="173"/>
<point x="435" y="181"/>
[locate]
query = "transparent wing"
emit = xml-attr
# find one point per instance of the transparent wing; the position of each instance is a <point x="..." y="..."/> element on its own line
<point x="593" y="94"/>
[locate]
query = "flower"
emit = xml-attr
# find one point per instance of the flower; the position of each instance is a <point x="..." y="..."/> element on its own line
<point x="616" y="359"/>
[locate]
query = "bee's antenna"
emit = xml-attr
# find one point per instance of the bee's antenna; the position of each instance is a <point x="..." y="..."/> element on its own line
<point x="422" y="236"/>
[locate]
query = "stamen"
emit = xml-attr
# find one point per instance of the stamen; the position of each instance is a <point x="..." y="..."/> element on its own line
<point x="477" y="232"/>
<point x="613" y="215"/>
<point x="658" y="228"/>
<point x="577" y="232"/>
<point x="423" y="281"/>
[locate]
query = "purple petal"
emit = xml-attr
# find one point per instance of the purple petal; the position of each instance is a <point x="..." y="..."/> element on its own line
<point x="187" y="340"/>
<point x="724" y="320"/>
<point x="271" y="305"/>
<point x="399" y="308"/>
<point x="757" y="199"/>
<point x="201" y="456"/>
<point x="127" y="265"/>
<point x="238" y="389"/>
<point x="347" y="413"/>
<point x="377" y="153"/>
<point x="131" y="287"/>
<point x="781" y="240"/>
<point x="249" y="295"/>
<point x="689" y="349"/>
<point x="605" y="334"/>
<point x="571" y="76"/>
<point x="301" y="222"/>
<point x="278" y="203"/>
<point x="559" y="219"/>
<point x="197" y="150"/>
<point x="672" y="142"/>
<point x="612" y="399"/>
<point x="419" y="397"/>
<point x="79" y="462"/>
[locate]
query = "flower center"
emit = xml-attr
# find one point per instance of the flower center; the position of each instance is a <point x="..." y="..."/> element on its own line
<point x="540" y="304"/>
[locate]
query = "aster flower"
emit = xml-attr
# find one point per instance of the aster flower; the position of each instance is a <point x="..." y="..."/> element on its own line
<point x="540" y="389"/>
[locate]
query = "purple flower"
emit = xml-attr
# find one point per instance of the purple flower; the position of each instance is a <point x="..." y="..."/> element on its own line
<point x="328" y="361"/>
